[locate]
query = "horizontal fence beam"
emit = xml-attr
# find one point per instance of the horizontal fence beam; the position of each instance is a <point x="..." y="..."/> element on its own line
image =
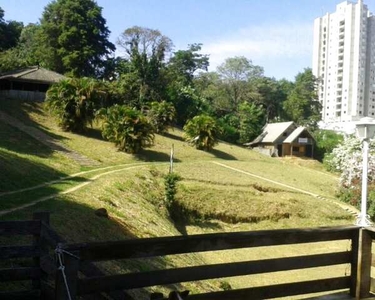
<point x="19" y="274"/>
<point x="8" y="228"/>
<point x="140" y="248"/>
<point x="280" y="290"/>
<point x="22" y="295"/>
<point x="161" y="277"/>
<point x="19" y="252"/>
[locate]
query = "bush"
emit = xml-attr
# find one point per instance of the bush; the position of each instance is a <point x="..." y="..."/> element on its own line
<point x="74" y="102"/>
<point x="229" y="125"/>
<point x="326" y="141"/>
<point x="202" y="132"/>
<point x="347" y="159"/>
<point x="161" y="115"/>
<point x="127" y="128"/>
<point x="170" y="182"/>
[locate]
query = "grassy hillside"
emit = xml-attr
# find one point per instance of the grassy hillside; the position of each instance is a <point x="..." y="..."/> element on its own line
<point x="228" y="189"/>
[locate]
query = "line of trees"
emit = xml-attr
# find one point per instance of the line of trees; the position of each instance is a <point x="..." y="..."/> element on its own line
<point x="152" y="79"/>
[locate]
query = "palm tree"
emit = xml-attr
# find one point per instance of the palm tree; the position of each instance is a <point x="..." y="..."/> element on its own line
<point x="74" y="102"/>
<point x="202" y="132"/>
<point x="162" y="115"/>
<point x="127" y="128"/>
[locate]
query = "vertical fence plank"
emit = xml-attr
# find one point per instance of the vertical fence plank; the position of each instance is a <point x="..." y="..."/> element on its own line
<point x="364" y="265"/>
<point x="42" y="217"/>
<point x="354" y="264"/>
<point x="66" y="282"/>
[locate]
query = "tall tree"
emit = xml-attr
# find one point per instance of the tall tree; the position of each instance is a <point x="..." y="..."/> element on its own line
<point x="236" y="73"/>
<point x="75" y="37"/>
<point x="180" y="73"/>
<point x="184" y="63"/>
<point x="9" y="32"/>
<point x="270" y="95"/>
<point x="302" y="105"/>
<point x="252" y="119"/>
<point x="146" y="50"/>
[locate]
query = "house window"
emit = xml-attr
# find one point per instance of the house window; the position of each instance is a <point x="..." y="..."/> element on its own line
<point x="295" y="149"/>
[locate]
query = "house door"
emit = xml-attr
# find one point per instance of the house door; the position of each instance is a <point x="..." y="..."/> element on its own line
<point x="309" y="150"/>
<point x="280" y="150"/>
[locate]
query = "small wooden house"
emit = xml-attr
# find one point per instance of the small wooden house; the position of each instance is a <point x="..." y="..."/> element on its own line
<point x="284" y="139"/>
<point x="28" y="84"/>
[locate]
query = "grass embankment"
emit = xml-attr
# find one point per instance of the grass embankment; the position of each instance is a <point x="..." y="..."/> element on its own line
<point x="212" y="198"/>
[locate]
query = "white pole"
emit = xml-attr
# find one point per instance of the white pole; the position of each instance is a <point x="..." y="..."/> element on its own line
<point x="363" y="221"/>
<point x="171" y="159"/>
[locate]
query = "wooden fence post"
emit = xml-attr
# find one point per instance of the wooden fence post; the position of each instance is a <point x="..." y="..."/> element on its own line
<point x="66" y="278"/>
<point x="37" y="241"/>
<point x="354" y="264"/>
<point x="364" y="265"/>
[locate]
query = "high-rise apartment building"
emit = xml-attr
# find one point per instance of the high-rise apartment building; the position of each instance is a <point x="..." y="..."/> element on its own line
<point x="344" y="62"/>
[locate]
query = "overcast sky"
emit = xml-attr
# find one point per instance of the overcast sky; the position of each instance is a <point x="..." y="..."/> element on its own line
<point x="275" y="34"/>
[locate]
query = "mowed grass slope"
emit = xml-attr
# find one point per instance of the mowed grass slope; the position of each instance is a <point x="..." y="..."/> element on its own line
<point x="211" y="197"/>
<point x="225" y="184"/>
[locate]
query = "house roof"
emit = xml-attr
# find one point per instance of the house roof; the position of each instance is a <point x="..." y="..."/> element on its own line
<point x="35" y="73"/>
<point x="295" y="134"/>
<point x="271" y="132"/>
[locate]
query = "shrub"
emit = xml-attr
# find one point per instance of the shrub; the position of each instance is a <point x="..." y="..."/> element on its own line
<point x="202" y="132"/>
<point x="127" y="128"/>
<point x="170" y="182"/>
<point x="229" y="125"/>
<point x="326" y="141"/>
<point x="74" y="102"/>
<point x="347" y="159"/>
<point x="161" y="115"/>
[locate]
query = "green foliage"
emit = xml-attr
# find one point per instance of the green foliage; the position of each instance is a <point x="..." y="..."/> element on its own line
<point x="127" y="128"/>
<point x="326" y="141"/>
<point x="239" y="68"/>
<point x="74" y="102"/>
<point x="10" y="32"/>
<point x="161" y="115"/>
<point x="74" y="37"/>
<point x="271" y="96"/>
<point x="252" y="120"/>
<point x="26" y="53"/>
<point x="188" y="103"/>
<point x="202" y="132"/>
<point x="170" y="183"/>
<point x="185" y="63"/>
<point x="235" y="74"/>
<point x="146" y="50"/>
<point x="302" y="105"/>
<point x="229" y="125"/>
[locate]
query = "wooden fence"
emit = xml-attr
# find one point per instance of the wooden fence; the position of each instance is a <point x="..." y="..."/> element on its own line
<point x="84" y="279"/>
<point x="36" y="252"/>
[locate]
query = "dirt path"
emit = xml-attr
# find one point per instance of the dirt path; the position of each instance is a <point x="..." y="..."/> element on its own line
<point x="47" y="140"/>
<point x="350" y="209"/>
<point x="66" y="178"/>
<point x="68" y="191"/>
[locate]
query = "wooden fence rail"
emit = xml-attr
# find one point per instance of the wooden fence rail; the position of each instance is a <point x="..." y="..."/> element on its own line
<point x="144" y="248"/>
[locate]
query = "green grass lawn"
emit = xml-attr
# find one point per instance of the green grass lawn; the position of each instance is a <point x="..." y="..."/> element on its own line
<point x="210" y="198"/>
